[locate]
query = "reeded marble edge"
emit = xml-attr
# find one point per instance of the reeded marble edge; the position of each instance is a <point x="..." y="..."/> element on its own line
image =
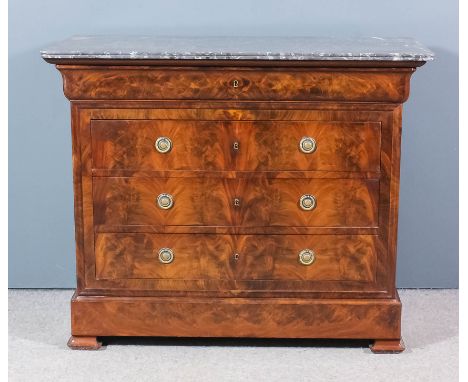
<point x="238" y="48"/>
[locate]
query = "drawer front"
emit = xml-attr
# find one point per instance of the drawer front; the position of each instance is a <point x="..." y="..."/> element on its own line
<point x="304" y="146"/>
<point x="384" y="85"/>
<point x="228" y="202"/>
<point x="133" y="201"/>
<point x="338" y="202"/>
<point x="134" y="255"/>
<point x="161" y="145"/>
<point x="243" y="146"/>
<point x="243" y="257"/>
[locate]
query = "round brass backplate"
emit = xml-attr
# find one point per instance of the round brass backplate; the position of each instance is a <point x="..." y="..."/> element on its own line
<point x="306" y="257"/>
<point x="166" y="255"/>
<point x="307" y="145"/>
<point x="165" y="201"/>
<point x="163" y="145"/>
<point x="307" y="202"/>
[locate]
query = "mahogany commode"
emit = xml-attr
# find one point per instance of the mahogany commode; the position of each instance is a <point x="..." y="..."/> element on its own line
<point x="234" y="187"/>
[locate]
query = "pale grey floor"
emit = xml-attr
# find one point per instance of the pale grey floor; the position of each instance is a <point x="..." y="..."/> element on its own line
<point x="39" y="329"/>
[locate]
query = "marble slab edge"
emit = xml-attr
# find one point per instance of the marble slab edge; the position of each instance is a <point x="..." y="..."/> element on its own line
<point x="238" y="48"/>
<point x="215" y="56"/>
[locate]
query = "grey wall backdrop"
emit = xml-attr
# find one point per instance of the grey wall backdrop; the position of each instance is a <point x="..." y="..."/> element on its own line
<point x="41" y="234"/>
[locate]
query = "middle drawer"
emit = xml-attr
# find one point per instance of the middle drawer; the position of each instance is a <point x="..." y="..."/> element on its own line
<point x="235" y="202"/>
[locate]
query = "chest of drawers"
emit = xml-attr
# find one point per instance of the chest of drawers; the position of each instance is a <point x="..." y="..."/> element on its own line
<point x="225" y="195"/>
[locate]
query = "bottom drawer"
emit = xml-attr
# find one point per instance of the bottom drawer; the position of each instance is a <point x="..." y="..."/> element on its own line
<point x="235" y="257"/>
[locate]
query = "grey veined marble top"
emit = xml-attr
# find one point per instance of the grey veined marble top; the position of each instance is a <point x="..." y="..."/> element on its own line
<point x="238" y="48"/>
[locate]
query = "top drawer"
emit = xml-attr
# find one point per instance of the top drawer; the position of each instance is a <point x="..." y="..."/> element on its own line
<point x="235" y="145"/>
<point x="202" y="83"/>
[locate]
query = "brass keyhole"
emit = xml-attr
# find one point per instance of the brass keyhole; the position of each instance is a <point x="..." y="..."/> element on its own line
<point x="236" y="202"/>
<point x="235" y="146"/>
<point x="236" y="256"/>
<point x="235" y="83"/>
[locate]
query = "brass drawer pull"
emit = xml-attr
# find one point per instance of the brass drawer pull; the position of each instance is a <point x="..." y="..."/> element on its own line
<point x="163" y="145"/>
<point x="307" y="145"/>
<point x="165" y="201"/>
<point x="166" y="255"/>
<point x="306" y="257"/>
<point x="307" y="202"/>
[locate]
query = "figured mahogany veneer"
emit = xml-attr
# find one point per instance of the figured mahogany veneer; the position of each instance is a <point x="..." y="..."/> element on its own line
<point x="218" y="257"/>
<point x="237" y="317"/>
<point x="262" y="145"/>
<point x="205" y="83"/>
<point x="236" y="174"/>
<point x="211" y="202"/>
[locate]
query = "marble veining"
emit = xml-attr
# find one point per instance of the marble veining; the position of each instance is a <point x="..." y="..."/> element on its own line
<point x="238" y="48"/>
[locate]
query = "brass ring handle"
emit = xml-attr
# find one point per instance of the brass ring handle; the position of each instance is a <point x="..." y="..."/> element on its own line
<point x="307" y="202"/>
<point x="307" y="145"/>
<point x="166" y="255"/>
<point x="306" y="257"/>
<point x="165" y="201"/>
<point x="163" y="145"/>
